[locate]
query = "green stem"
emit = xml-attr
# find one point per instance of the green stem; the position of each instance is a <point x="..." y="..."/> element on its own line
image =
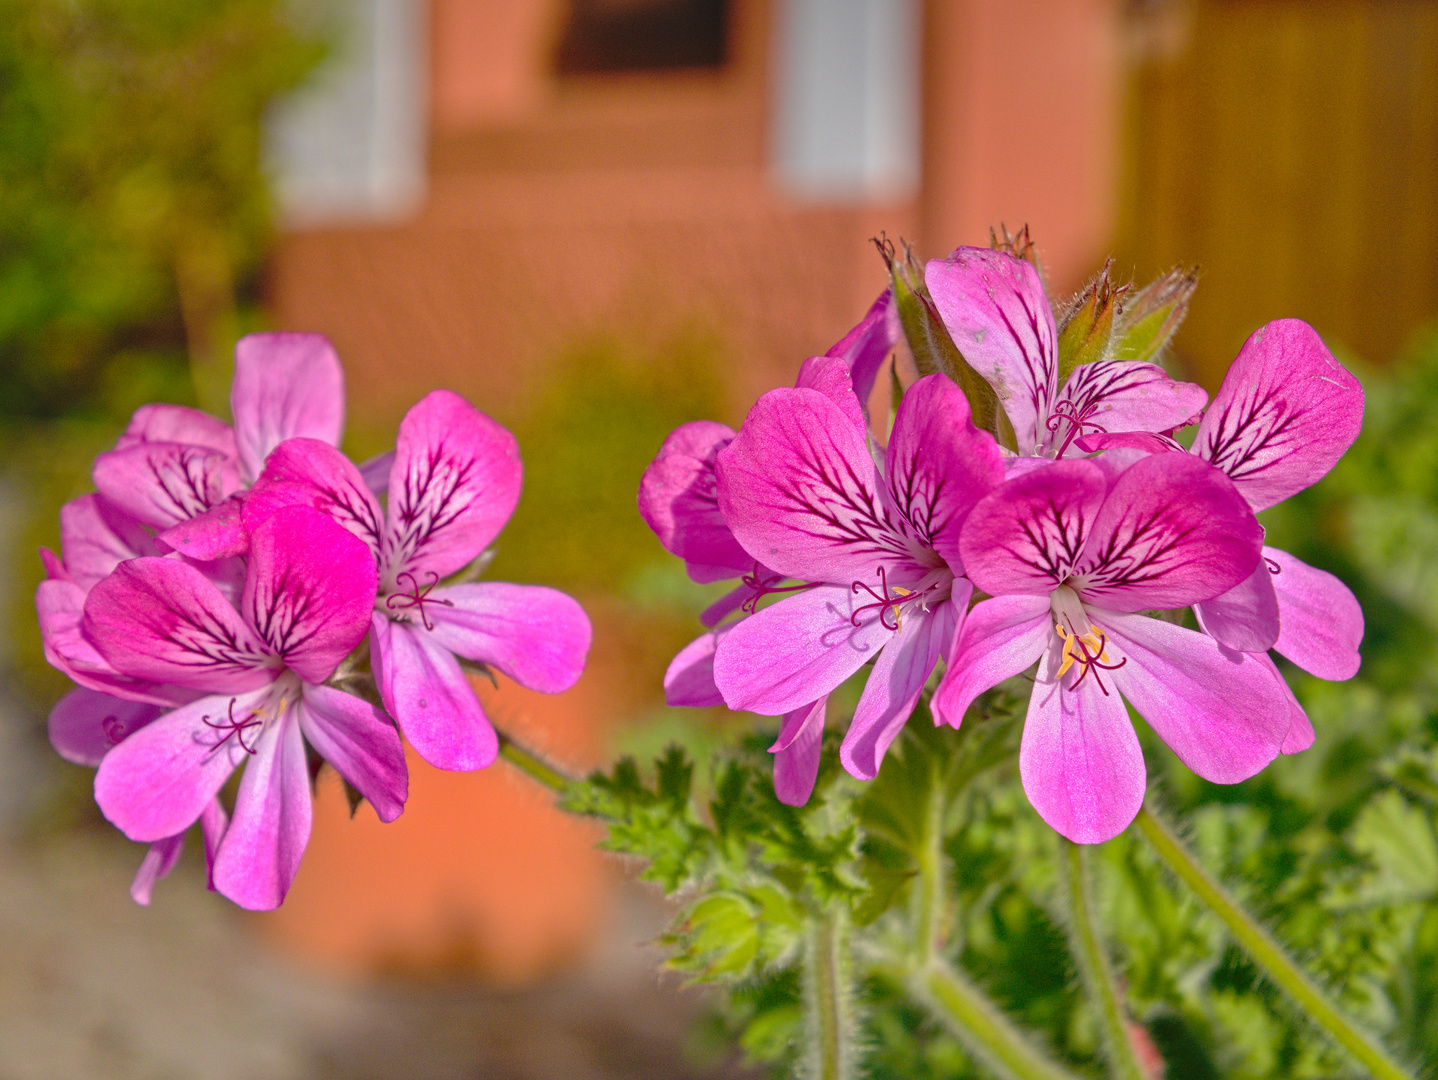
<point x="928" y="921"/>
<point x="1093" y="964"/>
<point x="1267" y="953"/>
<point x="829" y="1004"/>
<point x="533" y="765"/>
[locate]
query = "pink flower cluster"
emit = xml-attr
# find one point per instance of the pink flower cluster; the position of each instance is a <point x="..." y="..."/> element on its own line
<point x="1083" y="545"/>
<point x="211" y="597"/>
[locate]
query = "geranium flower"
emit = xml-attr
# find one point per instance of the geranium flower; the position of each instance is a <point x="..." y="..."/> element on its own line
<point x="308" y="594"/>
<point x="1070" y="559"/>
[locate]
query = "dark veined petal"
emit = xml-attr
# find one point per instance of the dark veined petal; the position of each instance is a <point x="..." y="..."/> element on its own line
<point x="286" y="385"/>
<point x="361" y="743"/>
<point x="1113" y="396"/>
<point x="163" y="484"/>
<point x="679" y="500"/>
<point x="312" y="473"/>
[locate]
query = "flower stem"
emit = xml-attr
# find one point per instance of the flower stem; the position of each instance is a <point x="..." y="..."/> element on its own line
<point x="533" y="765"/>
<point x="1093" y="964"/>
<point x="928" y="921"/>
<point x="1267" y="953"/>
<point x="830" y="1010"/>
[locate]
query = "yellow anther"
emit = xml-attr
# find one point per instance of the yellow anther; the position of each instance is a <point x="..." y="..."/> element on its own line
<point x="1094" y="641"/>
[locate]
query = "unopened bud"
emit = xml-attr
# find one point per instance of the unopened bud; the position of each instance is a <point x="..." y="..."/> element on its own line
<point x="1086" y="327"/>
<point x="1151" y="315"/>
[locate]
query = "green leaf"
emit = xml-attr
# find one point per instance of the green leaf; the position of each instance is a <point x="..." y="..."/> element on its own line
<point x="1398" y="840"/>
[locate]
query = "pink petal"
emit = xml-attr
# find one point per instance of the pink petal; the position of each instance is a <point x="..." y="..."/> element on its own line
<point x="85" y="724"/>
<point x="1321" y="624"/>
<point x="310" y="590"/>
<point x="865" y="348"/>
<point x="214" y="823"/>
<point x="218" y="533"/>
<point x="1300" y="729"/>
<point x="376" y="470"/>
<point x="894" y="685"/>
<point x="454" y="483"/>
<point x="1285" y="414"/>
<point x="1000" y="638"/>
<point x="679" y="500"/>
<point x="315" y="474"/>
<point x="801" y="493"/>
<point x="1246" y="617"/>
<point x="286" y="385"/>
<point x="796" y="651"/>
<point x="830" y="376"/>
<point x="157" y="782"/>
<point x="796" y="753"/>
<point x="995" y="309"/>
<point x="1172" y="531"/>
<point x="1116" y="396"/>
<point x="1223" y="713"/>
<point x="539" y="637"/>
<point x="689" y="681"/>
<point x="731" y="601"/>
<point x="361" y="743"/>
<point x="157" y="863"/>
<point x="938" y="465"/>
<point x="262" y="847"/>
<point x="162" y="484"/>
<point x="1026" y="535"/>
<point x="162" y="620"/>
<point x="178" y="424"/>
<point x="1079" y="758"/>
<point x="96" y="536"/>
<point x="1148" y="442"/>
<point x="426" y="692"/>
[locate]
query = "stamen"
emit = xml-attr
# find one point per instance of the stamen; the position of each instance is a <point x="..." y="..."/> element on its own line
<point x="417" y="597"/>
<point x="884" y="603"/>
<point x="1078" y="421"/>
<point x="1092" y="655"/>
<point x="1273" y="567"/>
<point x="114" y="729"/>
<point x="233" y="727"/>
<point x="764" y="586"/>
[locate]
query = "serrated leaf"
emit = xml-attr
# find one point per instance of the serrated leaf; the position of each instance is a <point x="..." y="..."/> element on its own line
<point x="1398" y="840"/>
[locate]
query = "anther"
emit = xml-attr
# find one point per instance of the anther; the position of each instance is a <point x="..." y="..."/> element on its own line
<point x="1092" y="655"/>
<point x="886" y="604"/>
<point x="1078" y="421"/>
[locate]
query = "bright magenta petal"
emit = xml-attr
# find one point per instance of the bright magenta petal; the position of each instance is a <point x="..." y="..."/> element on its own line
<point x="314" y="473"/>
<point x="865" y="348"/>
<point x="1246" y="617"/>
<point x="830" y="376"/>
<point x="689" y="680"/>
<point x="679" y="500"/>
<point x="1321" y="624"/>
<point x="163" y="484"/>
<point x="537" y="636"/>
<point x="361" y="743"/>
<point x="1114" y="396"/>
<point x="286" y="385"/>
<point x="999" y="638"/>
<point x="96" y="536"/>
<point x="156" y="864"/>
<point x="796" y="753"/>
<point x="178" y="424"/>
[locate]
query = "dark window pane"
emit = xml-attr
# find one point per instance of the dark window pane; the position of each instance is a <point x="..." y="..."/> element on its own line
<point x="643" y="35"/>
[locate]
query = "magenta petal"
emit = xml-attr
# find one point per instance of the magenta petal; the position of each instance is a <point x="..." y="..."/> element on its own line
<point x="178" y="424"/>
<point x="865" y="348"/>
<point x="1117" y="396"/>
<point x="426" y="692"/>
<point x="157" y="863"/>
<point x="1079" y="759"/>
<point x="157" y="782"/>
<point x="537" y="636"/>
<point x="1026" y="535"/>
<point x="1246" y="617"/>
<point x="96" y="536"/>
<point x="1300" y="729"/>
<point x="286" y="385"/>
<point x="163" y="484"/>
<point x="85" y="724"/>
<point x="938" y="465"/>
<point x="1173" y="530"/>
<point x="801" y="493"/>
<point x="1224" y="714"/>
<point x="1285" y="414"/>
<point x="1000" y="638"/>
<point x="361" y="743"/>
<point x="319" y="476"/>
<point x="796" y="651"/>
<point x="679" y="500"/>
<point x="796" y="753"/>
<point x="376" y="470"/>
<point x="214" y="822"/>
<point x="689" y="681"/>
<point x="218" y="533"/>
<point x="262" y="847"/>
<point x="830" y="376"/>
<point x="1321" y="624"/>
<point x="454" y="483"/>
<point x="1146" y="441"/>
<point x="894" y="686"/>
<point x="310" y="590"/>
<point x="995" y="309"/>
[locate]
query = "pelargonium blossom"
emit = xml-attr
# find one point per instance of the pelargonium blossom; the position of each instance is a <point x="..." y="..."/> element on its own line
<point x="453" y="483"/>
<point x="261" y="672"/>
<point x="1071" y="556"/>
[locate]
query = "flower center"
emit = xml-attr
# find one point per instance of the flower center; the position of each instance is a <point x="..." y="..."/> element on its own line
<point x="232" y="727"/>
<point x="415" y="598"/>
<point x="890" y="600"/>
<point x="1077" y="420"/>
<point x="1084" y="643"/>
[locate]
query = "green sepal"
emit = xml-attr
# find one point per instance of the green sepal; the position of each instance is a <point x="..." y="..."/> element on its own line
<point x="1152" y="315"/>
<point x="1086" y="327"/>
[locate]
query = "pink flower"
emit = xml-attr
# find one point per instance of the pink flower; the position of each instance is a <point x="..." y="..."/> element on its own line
<point x="1070" y="559"/>
<point x="261" y="671"/>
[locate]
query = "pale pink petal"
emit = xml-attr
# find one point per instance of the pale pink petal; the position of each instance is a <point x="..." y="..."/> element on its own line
<point x="999" y="639"/>
<point x="157" y="863"/>
<point x="85" y="724"/>
<point x="262" y="847"/>
<point x="830" y="376"/>
<point x="1223" y="713"/>
<point x="162" y="484"/>
<point x="315" y="474"/>
<point x="689" y="681"/>
<point x="426" y="692"/>
<point x="537" y="636"/>
<point x="1285" y="414"/>
<point x="731" y="601"/>
<point x="995" y="309"/>
<point x="218" y="533"/>
<point x="1079" y="758"/>
<point x="286" y="385"/>
<point x="679" y="500"/>
<point x="1115" y="396"/>
<point x="376" y="470"/>
<point x="157" y="782"/>
<point x="310" y="590"/>
<point x="796" y="753"/>
<point x="213" y="824"/>
<point x="454" y="483"/>
<point x="796" y="651"/>
<point x="865" y="348"/>
<point x="1027" y="535"/>
<point x="1246" y="617"/>
<point x="1173" y="530"/>
<point x="894" y="685"/>
<point x="96" y="536"/>
<point x="1300" y="729"/>
<point x="178" y="424"/>
<point x="361" y="743"/>
<point x="938" y="465"/>
<point x="1321" y="624"/>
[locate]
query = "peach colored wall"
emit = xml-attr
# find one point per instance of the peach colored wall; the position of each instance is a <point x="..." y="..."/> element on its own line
<point x="488" y="59"/>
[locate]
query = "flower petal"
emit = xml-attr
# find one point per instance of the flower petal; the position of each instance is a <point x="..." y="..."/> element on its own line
<point x="731" y="601"/>
<point x="163" y="484"/>
<point x="178" y="424"/>
<point x="865" y="348"/>
<point x="1026" y="535"/>
<point x="994" y="307"/>
<point x="376" y="471"/>
<point x="315" y="474"/>
<point x="96" y="536"/>
<point x="679" y="500"/>
<point x="1244" y="618"/>
<point x="1321" y="624"/>
<point x="796" y="753"/>
<point x="218" y="533"/>
<point x="426" y="692"/>
<point x="85" y="724"/>
<point x="796" y="651"/>
<point x="689" y="680"/>
<point x="537" y="636"/>
<point x="830" y="376"/>
<point x="361" y="743"/>
<point x="285" y="385"/>
<point x="894" y="685"/>
<point x="999" y="638"/>
<point x="309" y="591"/>
<point x="157" y="863"/>
<point x="1285" y="414"/>
<point x="1172" y="531"/>
<point x="1113" y="396"/>
<point x="266" y="837"/>
<point x="454" y="483"/>
<point x="1223" y="713"/>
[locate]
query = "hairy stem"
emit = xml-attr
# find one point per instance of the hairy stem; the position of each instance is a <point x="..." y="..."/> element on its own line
<point x="929" y="920"/>
<point x="1093" y="963"/>
<point x="829" y="1001"/>
<point x="1267" y="953"/>
<point x="533" y="765"/>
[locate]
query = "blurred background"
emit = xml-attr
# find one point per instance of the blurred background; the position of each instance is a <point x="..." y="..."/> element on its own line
<point x="599" y="219"/>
